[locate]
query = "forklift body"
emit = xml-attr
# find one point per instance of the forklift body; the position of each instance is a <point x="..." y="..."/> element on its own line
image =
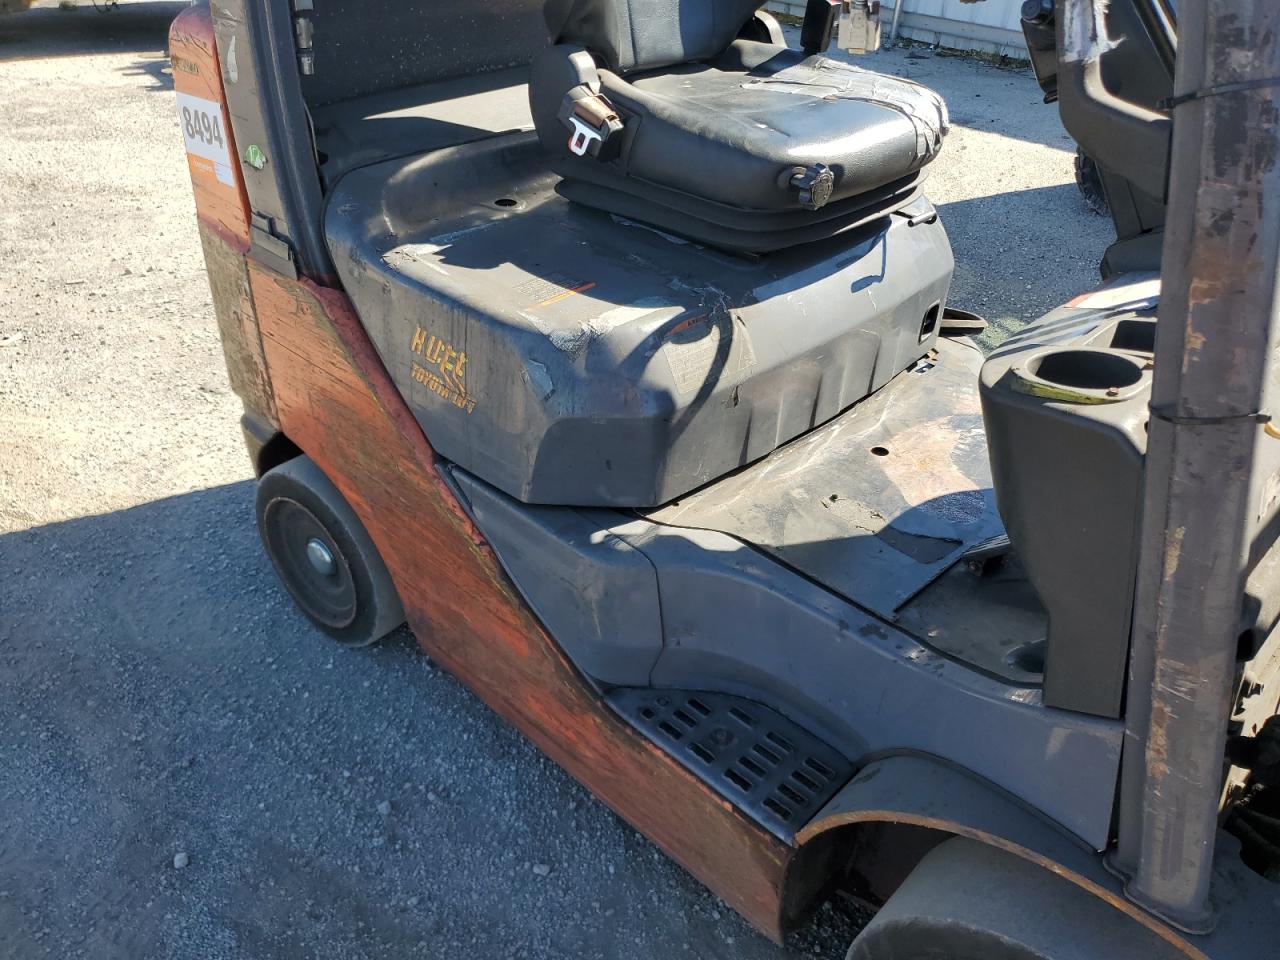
<point x="608" y="343"/>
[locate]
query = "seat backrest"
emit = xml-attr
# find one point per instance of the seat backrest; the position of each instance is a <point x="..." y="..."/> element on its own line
<point x="634" y="35"/>
<point x="372" y="46"/>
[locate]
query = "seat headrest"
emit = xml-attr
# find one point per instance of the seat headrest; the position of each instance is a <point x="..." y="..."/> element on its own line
<point x="634" y="35"/>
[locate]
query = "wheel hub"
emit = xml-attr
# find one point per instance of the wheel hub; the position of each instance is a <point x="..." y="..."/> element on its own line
<point x="310" y="563"/>
<point x="321" y="558"/>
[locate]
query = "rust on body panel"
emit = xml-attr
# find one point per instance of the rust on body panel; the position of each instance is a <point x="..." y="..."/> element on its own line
<point x="336" y="402"/>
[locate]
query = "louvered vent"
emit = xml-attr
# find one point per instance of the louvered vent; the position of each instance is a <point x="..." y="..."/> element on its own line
<point x="762" y="762"/>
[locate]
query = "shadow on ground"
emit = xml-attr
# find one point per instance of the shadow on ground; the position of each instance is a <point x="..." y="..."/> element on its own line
<point x="1019" y="253"/>
<point x="54" y="32"/>
<point x="160" y="695"/>
<point x="156" y="71"/>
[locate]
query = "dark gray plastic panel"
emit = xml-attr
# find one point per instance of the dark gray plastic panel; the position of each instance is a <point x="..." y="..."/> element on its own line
<point x="878" y="506"/>
<point x="596" y="594"/>
<point x="607" y="363"/>
<point x="371" y="46"/>
<point x="259" y="64"/>
<point x="414" y="120"/>
<point x="737" y="622"/>
<point x="1066" y="411"/>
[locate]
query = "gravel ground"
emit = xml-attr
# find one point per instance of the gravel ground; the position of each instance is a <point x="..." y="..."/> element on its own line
<point x="186" y="768"/>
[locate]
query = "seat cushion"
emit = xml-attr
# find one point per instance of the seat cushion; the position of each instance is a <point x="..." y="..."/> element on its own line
<point x="733" y="130"/>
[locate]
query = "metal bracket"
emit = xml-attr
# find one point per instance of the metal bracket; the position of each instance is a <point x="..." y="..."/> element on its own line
<point x="304" y="36"/>
<point x="269" y="248"/>
<point x="859" y="30"/>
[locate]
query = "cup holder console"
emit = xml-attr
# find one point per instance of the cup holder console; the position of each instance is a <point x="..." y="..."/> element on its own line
<point x="1065" y="406"/>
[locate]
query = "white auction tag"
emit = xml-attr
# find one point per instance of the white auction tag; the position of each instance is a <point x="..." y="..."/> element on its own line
<point x="202" y="130"/>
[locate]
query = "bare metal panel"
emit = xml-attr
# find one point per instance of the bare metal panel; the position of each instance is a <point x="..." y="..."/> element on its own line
<point x="876" y="509"/>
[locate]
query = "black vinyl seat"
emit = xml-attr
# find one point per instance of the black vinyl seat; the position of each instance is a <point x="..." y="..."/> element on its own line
<point x="657" y="110"/>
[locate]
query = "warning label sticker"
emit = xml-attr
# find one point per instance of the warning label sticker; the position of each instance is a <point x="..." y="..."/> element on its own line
<point x="701" y="351"/>
<point x="545" y="291"/>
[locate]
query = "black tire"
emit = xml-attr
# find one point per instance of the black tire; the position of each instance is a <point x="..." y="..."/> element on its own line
<point x="933" y="941"/>
<point x="324" y="556"/>
<point x="1089" y="180"/>
<point x="969" y="901"/>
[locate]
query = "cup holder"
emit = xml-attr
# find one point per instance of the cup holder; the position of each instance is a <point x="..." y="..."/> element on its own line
<point x="1081" y="375"/>
<point x="1028" y="657"/>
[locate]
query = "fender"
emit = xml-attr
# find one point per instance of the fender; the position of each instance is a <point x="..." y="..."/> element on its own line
<point x="943" y="801"/>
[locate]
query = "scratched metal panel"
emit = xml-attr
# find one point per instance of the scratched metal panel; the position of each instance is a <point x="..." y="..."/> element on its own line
<point x="880" y="503"/>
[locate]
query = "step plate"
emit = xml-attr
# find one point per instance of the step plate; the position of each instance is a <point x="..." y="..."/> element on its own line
<point x="765" y="765"/>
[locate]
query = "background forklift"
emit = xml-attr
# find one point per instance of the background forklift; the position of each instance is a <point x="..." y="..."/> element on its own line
<point x="620" y="366"/>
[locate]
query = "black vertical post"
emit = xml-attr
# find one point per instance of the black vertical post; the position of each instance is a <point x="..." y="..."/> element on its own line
<point x="1206" y="499"/>
<point x="819" y="24"/>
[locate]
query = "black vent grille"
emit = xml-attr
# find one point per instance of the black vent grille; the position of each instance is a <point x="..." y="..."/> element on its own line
<point x="763" y="763"/>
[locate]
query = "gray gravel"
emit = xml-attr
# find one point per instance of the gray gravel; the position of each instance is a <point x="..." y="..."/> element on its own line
<point x="186" y="768"/>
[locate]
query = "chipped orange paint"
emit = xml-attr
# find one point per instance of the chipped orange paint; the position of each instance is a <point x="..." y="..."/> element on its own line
<point x="323" y="385"/>
<point x="337" y="403"/>
<point x="197" y="73"/>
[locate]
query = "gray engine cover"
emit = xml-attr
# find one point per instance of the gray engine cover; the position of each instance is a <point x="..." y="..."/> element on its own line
<point x="569" y="357"/>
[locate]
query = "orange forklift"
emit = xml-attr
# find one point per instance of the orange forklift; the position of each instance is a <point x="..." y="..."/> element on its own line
<point x="607" y="343"/>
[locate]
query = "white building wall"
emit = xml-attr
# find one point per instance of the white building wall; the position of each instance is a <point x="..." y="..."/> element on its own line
<point x="991" y="26"/>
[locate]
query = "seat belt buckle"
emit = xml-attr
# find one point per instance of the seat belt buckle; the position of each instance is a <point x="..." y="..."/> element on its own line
<point x="582" y="137"/>
<point x="595" y="129"/>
